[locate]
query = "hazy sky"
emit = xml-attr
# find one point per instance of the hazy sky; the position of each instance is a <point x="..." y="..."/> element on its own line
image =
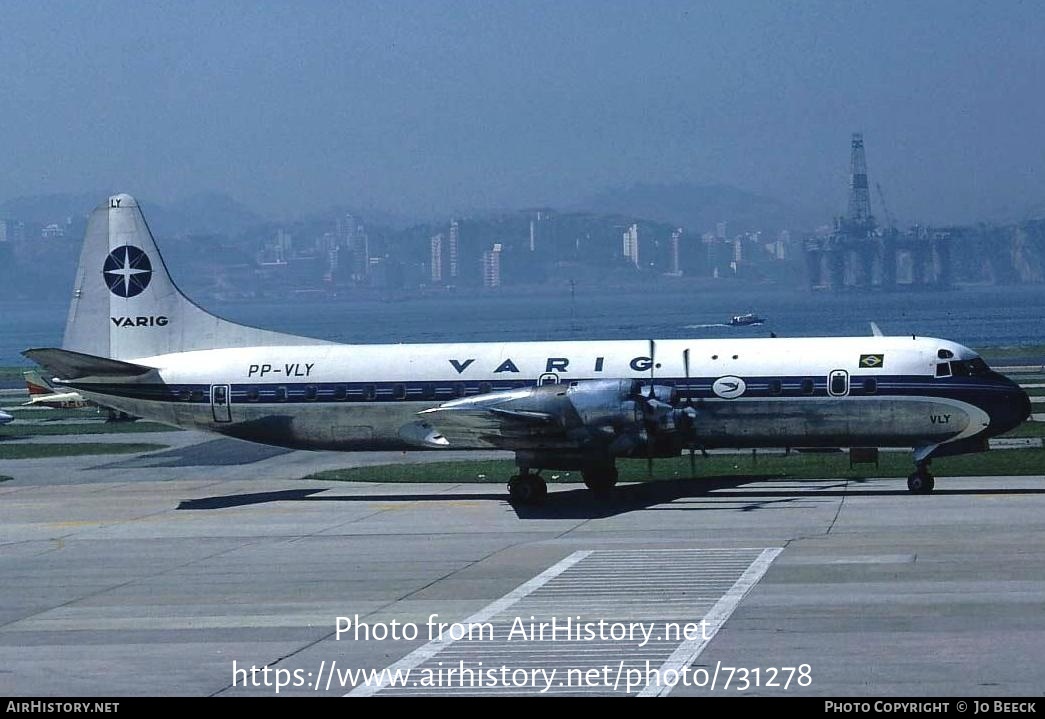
<point x="431" y="107"/>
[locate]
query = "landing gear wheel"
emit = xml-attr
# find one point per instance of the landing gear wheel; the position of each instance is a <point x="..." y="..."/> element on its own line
<point x="921" y="482"/>
<point x="527" y="489"/>
<point x="600" y="479"/>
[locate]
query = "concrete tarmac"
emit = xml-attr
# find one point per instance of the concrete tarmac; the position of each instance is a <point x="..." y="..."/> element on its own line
<point x="153" y="574"/>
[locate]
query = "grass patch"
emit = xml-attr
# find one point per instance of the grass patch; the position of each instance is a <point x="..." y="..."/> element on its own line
<point x="80" y="428"/>
<point x="797" y="465"/>
<point x="12" y="373"/>
<point x="87" y="414"/>
<point x="73" y="449"/>
<point x="1018" y="351"/>
<point x="1027" y="429"/>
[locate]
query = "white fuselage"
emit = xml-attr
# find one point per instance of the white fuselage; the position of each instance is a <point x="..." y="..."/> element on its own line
<point x="862" y="391"/>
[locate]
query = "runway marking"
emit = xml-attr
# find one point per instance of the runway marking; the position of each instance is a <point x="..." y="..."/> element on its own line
<point x="689" y="650"/>
<point x="654" y="588"/>
<point x="418" y="656"/>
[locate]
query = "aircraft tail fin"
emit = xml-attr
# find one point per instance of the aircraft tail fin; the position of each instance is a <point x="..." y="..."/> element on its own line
<point x="126" y="306"/>
<point x="36" y="384"/>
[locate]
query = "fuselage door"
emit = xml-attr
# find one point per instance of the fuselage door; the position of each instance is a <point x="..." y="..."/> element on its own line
<point x="219" y="402"/>
<point x="838" y="383"/>
<point x="547" y="378"/>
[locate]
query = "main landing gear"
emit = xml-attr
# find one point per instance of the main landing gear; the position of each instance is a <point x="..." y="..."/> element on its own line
<point x="921" y="481"/>
<point x="527" y="488"/>
<point x="599" y="477"/>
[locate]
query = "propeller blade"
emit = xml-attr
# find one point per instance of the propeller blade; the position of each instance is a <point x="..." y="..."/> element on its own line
<point x="685" y="366"/>
<point x="692" y="463"/>
<point x="652" y="364"/>
<point x="649" y="467"/>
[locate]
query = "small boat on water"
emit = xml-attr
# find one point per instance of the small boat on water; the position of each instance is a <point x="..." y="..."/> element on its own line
<point x="746" y="320"/>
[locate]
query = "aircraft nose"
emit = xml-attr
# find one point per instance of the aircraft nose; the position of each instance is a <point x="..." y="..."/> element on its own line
<point x="1012" y="410"/>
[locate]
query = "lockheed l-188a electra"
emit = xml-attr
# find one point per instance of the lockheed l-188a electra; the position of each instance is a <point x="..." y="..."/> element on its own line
<point x="135" y="343"/>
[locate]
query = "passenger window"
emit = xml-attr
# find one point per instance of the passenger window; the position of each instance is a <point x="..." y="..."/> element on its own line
<point x="281" y="394"/>
<point x="943" y="369"/>
<point x="484" y="387"/>
<point x="369" y="393"/>
<point x="459" y="389"/>
<point x="775" y="387"/>
<point x="428" y="390"/>
<point x="184" y="395"/>
<point x="340" y="392"/>
<point x="807" y="386"/>
<point x="253" y="394"/>
<point x="311" y="393"/>
<point x="870" y="386"/>
<point x="197" y="395"/>
<point x="399" y="392"/>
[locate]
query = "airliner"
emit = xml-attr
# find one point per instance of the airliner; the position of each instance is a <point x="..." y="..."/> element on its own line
<point x="134" y="342"/>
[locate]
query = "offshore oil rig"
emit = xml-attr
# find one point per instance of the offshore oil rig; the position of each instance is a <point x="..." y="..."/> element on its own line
<point x="859" y="254"/>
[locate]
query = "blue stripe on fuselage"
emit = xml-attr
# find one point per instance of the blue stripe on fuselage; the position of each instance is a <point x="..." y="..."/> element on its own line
<point x="969" y="389"/>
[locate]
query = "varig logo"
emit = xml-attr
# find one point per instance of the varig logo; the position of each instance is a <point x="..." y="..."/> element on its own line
<point x="127" y="271"/>
<point x="729" y="387"/>
<point x="140" y="321"/>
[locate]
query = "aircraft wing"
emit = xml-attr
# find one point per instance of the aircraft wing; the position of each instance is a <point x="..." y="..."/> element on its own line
<point x="605" y="417"/>
<point x="476" y="423"/>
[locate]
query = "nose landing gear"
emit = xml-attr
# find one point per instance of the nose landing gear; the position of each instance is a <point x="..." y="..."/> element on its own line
<point x="921" y="481"/>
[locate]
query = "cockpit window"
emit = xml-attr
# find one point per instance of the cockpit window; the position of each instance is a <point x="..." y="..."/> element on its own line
<point x="945" y="354"/>
<point x="978" y="367"/>
<point x="969" y="368"/>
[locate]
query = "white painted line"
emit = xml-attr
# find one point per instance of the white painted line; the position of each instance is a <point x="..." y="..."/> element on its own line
<point x="427" y="651"/>
<point x="723" y="609"/>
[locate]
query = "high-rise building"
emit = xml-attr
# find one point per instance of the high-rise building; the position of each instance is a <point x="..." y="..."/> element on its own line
<point x="782" y="241"/>
<point x="535" y="229"/>
<point x="284" y="246"/>
<point x="675" y="267"/>
<point x="453" y="249"/>
<point x="492" y="267"/>
<point x="631" y="244"/>
<point x="52" y="232"/>
<point x="357" y="245"/>
<point x="721" y="230"/>
<point x="331" y="249"/>
<point x="436" y="266"/>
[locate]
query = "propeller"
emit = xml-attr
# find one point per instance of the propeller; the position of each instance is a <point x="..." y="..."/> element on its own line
<point x="652" y="366"/>
<point x="652" y="396"/>
<point x="689" y="405"/>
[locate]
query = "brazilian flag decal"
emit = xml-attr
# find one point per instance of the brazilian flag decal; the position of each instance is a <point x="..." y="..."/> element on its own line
<point x="872" y="361"/>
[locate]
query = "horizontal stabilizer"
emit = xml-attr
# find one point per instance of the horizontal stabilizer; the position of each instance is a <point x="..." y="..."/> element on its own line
<point x="69" y="365"/>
